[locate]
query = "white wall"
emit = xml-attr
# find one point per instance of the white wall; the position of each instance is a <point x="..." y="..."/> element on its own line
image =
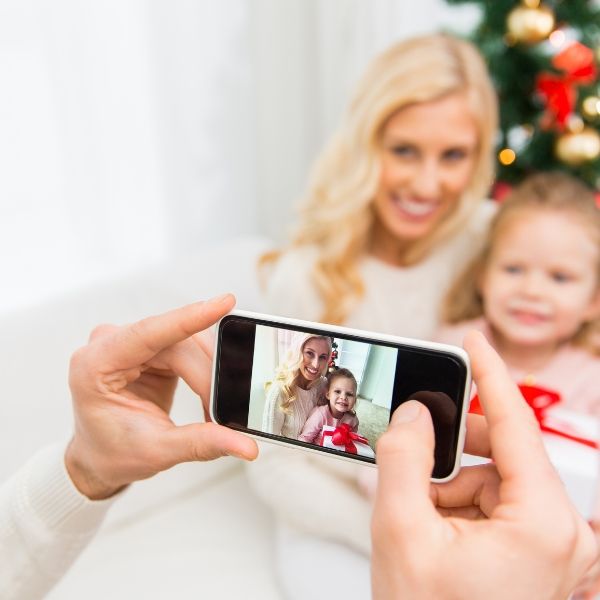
<point x="139" y="131"/>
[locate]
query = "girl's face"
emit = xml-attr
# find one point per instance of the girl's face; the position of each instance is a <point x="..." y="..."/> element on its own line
<point x="541" y="281"/>
<point x="428" y="156"/>
<point x="315" y="358"/>
<point x="341" y="395"/>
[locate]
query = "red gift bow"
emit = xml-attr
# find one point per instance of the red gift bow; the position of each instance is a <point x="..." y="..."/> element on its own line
<point x="576" y="62"/>
<point x="540" y="400"/>
<point x="342" y="435"/>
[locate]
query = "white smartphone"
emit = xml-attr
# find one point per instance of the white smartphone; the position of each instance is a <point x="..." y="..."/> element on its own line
<point x="346" y="384"/>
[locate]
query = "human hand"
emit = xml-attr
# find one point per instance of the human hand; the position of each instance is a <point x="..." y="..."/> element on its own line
<point x="502" y="530"/>
<point x="589" y="587"/>
<point x="123" y="382"/>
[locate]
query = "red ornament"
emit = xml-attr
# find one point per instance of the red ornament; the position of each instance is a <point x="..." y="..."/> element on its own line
<point x="500" y="190"/>
<point x="559" y="92"/>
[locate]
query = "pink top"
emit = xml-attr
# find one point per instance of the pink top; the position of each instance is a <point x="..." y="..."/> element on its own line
<point x="319" y="417"/>
<point x="572" y="372"/>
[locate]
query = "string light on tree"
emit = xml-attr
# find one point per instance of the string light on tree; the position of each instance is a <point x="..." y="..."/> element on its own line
<point x="507" y="156"/>
<point x="530" y="22"/>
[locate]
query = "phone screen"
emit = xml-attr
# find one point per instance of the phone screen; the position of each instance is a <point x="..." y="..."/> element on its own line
<point x="331" y="391"/>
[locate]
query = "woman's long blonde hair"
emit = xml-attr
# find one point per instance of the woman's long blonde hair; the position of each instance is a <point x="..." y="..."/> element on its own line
<point x="336" y="214"/>
<point x="551" y="191"/>
<point x="288" y="374"/>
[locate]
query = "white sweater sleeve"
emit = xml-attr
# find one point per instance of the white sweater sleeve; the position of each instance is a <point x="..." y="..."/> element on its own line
<point x="45" y="523"/>
<point x="273" y="418"/>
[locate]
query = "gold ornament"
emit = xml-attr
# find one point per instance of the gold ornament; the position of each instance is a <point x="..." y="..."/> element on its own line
<point x="530" y="25"/>
<point x="590" y="107"/>
<point x="579" y="147"/>
<point x="507" y="156"/>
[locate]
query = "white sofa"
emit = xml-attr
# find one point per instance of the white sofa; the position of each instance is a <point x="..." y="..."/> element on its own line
<point x="193" y="532"/>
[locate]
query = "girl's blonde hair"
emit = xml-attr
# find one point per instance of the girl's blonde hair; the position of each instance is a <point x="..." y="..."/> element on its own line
<point x="541" y="192"/>
<point x="336" y="215"/>
<point x="288" y="372"/>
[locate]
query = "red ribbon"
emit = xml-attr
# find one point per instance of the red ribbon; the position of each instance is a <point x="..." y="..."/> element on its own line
<point x="343" y="435"/>
<point x="540" y="400"/>
<point x="559" y="91"/>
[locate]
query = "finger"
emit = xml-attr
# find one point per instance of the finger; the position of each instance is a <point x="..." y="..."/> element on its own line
<point x="513" y="430"/>
<point x="195" y="368"/>
<point x="135" y="344"/>
<point x="205" y="441"/>
<point x="405" y="460"/>
<point x="477" y="441"/>
<point x="476" y="486"/>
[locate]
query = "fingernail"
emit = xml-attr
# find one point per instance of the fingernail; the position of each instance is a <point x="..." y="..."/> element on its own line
<point x="406" y="412"/>
<point x="220" y="299"/>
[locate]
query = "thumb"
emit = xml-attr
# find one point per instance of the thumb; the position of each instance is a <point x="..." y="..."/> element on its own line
<point x="205" y="441"/>
<point x="405" y="460"/>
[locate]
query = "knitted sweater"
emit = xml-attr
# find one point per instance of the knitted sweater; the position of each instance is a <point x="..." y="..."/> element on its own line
<point x="288" y="423"/>
<point x="398" y="300"/>
<point x="45" y="523"/>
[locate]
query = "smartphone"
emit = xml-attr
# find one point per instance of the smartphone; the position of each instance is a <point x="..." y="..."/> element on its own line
<point x="332" y="389"/>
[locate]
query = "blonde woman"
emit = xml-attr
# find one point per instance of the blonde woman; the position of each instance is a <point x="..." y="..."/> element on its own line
<point x="298" y="380"/>
<point x="394" y="209"/>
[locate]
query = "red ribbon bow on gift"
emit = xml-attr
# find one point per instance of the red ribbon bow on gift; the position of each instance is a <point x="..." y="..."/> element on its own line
<point x="342" y="435"/>
<point x="540" y="400"/>
<point x="576" y="62"/>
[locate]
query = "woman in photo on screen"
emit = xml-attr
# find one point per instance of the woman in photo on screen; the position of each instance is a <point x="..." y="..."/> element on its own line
<point x="299" y="379"/>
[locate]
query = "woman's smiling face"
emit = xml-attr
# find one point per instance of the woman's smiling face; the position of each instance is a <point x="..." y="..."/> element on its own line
<point x="428" y="155"/>
<point x="315" y="358"/>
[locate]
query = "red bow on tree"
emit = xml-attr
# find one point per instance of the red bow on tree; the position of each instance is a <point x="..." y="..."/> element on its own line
<point x="344" y="436"/>
<point x="559" y="92"/>
<point x="540" y="400"/>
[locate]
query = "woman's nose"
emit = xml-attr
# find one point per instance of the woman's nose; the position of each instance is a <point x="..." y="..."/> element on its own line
<point x="427" y="180"/>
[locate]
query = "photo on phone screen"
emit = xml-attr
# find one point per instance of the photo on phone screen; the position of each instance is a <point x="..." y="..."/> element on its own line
<point x="343" y="389"/>
<point x="332" y="390"/>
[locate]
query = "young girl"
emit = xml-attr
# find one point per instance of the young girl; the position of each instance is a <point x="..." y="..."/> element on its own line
<point x="341" y="397"/>
<point x="535" y="290"/>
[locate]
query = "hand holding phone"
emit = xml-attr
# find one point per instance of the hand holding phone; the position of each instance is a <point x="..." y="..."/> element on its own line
<point x="332" y="389"/>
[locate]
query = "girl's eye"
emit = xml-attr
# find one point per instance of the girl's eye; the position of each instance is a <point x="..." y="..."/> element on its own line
<point x="512" y="269"/>
<point x="323" y="357"/>
<point x="561" y="277"/>
<point x="309" y="353"/>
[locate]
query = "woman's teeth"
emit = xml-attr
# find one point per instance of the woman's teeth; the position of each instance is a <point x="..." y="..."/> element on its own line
<point x="414" y="208"/>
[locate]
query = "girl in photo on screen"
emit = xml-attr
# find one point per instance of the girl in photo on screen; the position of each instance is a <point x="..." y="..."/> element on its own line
<point x="340" y="397"/>
<point x="298" y="382"/>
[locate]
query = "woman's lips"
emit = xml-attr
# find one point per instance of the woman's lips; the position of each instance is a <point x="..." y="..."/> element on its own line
<point x="415" y="209"/>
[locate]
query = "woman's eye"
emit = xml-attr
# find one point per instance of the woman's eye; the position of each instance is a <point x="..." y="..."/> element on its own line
<point x="454" y="154"/>
<point x="404" y="150"/>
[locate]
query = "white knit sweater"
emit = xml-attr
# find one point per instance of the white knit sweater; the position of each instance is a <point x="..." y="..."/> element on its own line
<point x="400" y="301"/>
<point x="45" y="523"/>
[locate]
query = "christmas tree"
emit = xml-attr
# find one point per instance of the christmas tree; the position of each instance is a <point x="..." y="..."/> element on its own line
<point x="543" y="58"/>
